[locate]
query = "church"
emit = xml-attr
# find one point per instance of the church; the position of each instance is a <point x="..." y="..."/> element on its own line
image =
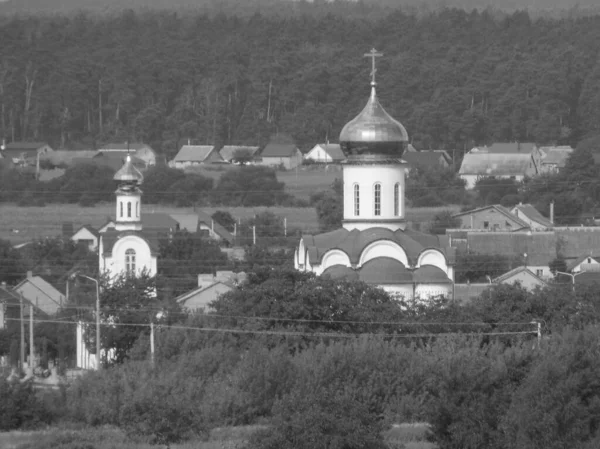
<point x="374" y="244"/>
<point x="126" y="248"/>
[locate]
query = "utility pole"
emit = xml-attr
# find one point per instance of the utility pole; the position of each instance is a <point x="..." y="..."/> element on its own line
<point x="22" y="332"/>
<point x="285" y="226"/>
<point x="152" y="342"/>
<point x="31" y="338"/>
<point x="254" y="234"/>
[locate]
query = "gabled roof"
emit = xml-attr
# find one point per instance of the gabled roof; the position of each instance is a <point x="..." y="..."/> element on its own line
<point x="578" y="240"/>
<point x="522" y="269"/>
<point x="124" y="147"/>
<point x="334" y="150"/>
<point x="198" y="290"/>
<point x="111" y="236"/>
<point x="228" y="151"/>
<point x="425" y="158"/>
<point x="203" y="217"/>
<point x="506" y="148"/>
<point x="572" y="263"/>
<point x="88" y="227"/>
<point x="540" y="247"/>
<point x="533" y="214"/>
<point x="195" y="153"/>
<point x="48" y="300"/>
<point x="279" y="150"/>
<point x="501" y="209"/>
<point x="555" y="155"/>
<point x="68" y="157"/>
<point x="496" y="164"/>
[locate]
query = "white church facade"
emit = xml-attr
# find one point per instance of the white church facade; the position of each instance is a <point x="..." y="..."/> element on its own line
<point x="374" y="244"/>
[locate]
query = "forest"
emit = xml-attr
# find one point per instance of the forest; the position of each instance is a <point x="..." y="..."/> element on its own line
<point x="454" y="78"/>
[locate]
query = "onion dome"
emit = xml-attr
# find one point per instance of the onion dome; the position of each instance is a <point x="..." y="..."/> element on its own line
<point x="373" y="134"/>
<point x="128" y="173"/>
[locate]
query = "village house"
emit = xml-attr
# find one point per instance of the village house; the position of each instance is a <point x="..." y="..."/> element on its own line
<point x="534" y="219"/>
<point x="522" y="276"/>
<point x="210" y="287"/>
<point x="25" y="153"/>
<point x="500" y="160"/>
<point x="140" y="150"/>
<point x="192" y="155"/>
<point x="428" y="159"/>
<point x="584" y="263"/>
<point x="88" y="236"/>
<point x="491" y="218"/>
<point x="207" y="227"/>
<point x="229" y="153"/>
<point x="553" y="159"/>
<point x="326" y="153"/>
<point x="40" y="293"/>
<point x="286" y="155"/>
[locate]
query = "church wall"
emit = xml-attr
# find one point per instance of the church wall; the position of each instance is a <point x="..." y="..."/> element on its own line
<point x="427" y="291"/>
<point x="366" y="177"/>
<point x="115" y="264"/>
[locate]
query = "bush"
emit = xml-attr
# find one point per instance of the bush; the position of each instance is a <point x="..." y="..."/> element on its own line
<point x="20" y="407"/>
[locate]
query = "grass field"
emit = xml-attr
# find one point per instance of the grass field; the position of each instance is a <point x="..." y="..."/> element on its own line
<point x="406" y="436"/>
<point x="22" y="224"/>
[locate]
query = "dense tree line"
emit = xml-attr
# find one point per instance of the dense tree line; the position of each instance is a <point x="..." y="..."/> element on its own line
<point x="162" y="78"/>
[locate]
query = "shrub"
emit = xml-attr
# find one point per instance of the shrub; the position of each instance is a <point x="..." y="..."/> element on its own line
<point x="20" y="407"/>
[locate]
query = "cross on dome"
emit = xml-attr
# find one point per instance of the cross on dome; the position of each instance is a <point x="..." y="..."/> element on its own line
<point x="373" y="54"/>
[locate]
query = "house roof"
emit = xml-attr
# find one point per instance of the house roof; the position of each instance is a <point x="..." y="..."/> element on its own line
<point x="111" y="236"/>
<point x="522" y="269"/>
<point x="572" y="263"/>
<point x="496" y="164"/>
<point x="199" y="290"/>
<point x="228" y="151"/>
<point x="91" y="229"/>
<point x="354" y="242"/>
<point x="334" y="150"/>
<point x="506" y="148"/>
<point x="194" y="153"/>
<point x="556" y="155"/>
<point x="279" y="150"/>
<point x="501" y="209"/>
<point x="424" y="158"/>
<point x="573" y="242"/>
<point x="540" y="247"/>
<point x="68" y="157"/>
<point x="533" y="214"/>
<point x="48" y="301"/>
<point x="24" y="145"/>
<point x="203" y="217"/>
<point x="124" y="147"/>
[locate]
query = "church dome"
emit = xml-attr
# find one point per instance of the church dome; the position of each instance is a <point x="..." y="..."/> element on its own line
<point x="128" y="173"/>
<point x="373" y="134"/>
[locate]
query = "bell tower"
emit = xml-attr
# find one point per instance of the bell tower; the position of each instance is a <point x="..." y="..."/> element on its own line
<point x="129" y="198"/>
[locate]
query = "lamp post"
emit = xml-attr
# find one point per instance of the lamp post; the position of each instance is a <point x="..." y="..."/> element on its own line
<point x="572" y="276"/>
<point x="97" y="316"/>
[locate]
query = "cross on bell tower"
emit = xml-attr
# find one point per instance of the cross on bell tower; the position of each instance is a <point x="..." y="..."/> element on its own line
<point x="373" y="54"/>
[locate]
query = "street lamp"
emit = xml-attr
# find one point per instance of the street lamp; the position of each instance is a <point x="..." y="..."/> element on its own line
<point x="97" y="316"/>
<point x="572" y="276"/>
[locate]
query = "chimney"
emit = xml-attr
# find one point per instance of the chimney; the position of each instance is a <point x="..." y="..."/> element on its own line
<point x="29" y="274"/>
<point x="4" y="284"/>
<point x="552" y="212"/>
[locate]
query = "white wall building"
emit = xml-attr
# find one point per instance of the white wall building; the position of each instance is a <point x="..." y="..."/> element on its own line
<point x="374" y="245"/>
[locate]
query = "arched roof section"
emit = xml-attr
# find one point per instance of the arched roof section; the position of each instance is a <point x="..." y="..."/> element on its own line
<point x="432" y="256"/>
<point x="341" y="272"/>
<point x="429" y="274"/>
<point x="383" y="248"/>
<point x="385" y="270"/>
<point x="335" y="257"/>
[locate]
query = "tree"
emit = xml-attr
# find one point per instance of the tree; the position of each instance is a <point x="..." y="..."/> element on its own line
<point x="442" y="221"/>
<point x="250" y="186"/>
<point x="225" y="219"/>
<point x="558" y="264"/>
<point x="12" y="267"/>
<point x="320" y="420"/>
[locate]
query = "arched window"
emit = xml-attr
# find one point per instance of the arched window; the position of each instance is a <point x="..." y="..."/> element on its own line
<point x="129" y="209"/>
<point x="397" y="199"/>
<point x="130" y="261"/>
<point x="377" y="199"/>
<point x="137" y="209"/>
<point x="121" y="204"/>
<point x="356" y="200"/>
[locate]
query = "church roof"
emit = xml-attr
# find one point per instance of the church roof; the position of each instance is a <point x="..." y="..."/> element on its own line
<point x="385" y="270"/>
<point x="128" y="172"/>
<point x="354" y="242"/>
<point x="111" y="237"/>
<point x="341" y="272"/>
